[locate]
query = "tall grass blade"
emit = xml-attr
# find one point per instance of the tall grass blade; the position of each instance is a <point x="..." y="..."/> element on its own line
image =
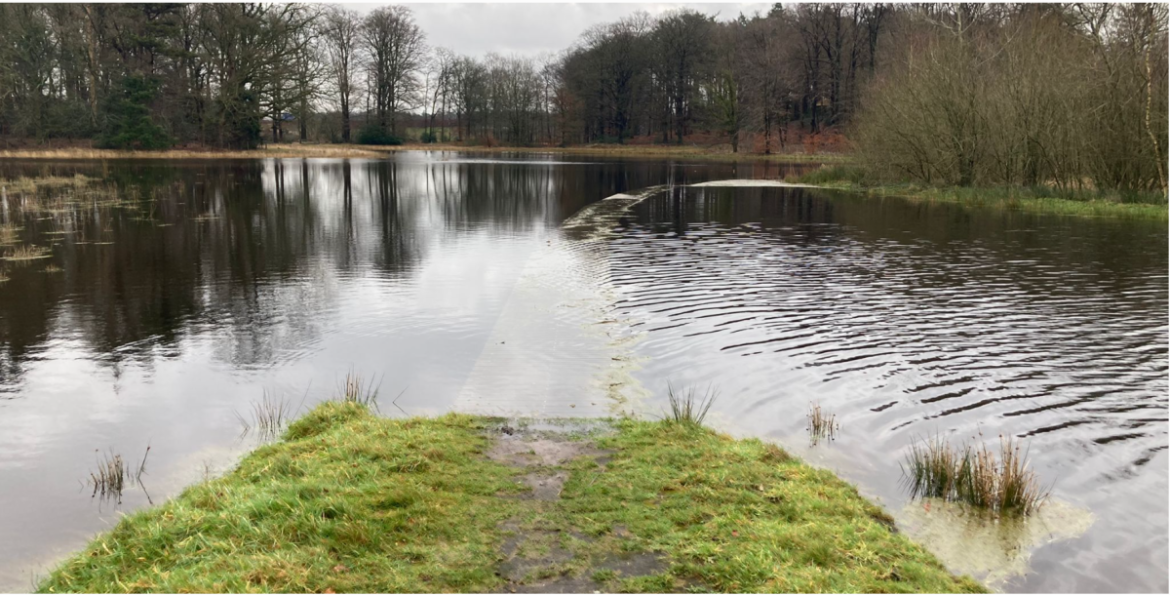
<point x="354" y="391"/>
<point x="689" y="408"/>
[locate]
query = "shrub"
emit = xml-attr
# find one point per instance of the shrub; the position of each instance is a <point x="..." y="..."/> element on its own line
<point x="128" y="124"/>
<point x="827" y="174"/>
<point x="373" y="134"/>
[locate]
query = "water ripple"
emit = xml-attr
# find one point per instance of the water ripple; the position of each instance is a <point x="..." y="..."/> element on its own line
<point x="909" y="319"/>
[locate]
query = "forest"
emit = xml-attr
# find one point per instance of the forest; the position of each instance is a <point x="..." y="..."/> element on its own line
<point x="1070" y="95"/>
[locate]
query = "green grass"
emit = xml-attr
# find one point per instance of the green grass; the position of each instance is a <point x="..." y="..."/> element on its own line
<point x="1040" y="199"/>
<point x="351" y="502"/>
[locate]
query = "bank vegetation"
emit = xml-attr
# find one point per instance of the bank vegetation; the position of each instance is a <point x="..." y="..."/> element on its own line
<point x="1068" y="96"/>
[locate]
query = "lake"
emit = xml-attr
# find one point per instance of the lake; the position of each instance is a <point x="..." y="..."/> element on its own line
<point x="171" y="296"/>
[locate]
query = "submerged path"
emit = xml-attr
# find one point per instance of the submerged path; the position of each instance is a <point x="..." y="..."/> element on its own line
<point x="556" y="349"/>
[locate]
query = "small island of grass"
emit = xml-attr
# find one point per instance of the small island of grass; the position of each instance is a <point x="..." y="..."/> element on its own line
<point x="349" y="501"/>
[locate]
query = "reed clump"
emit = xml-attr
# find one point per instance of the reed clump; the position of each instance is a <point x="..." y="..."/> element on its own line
<point x="8" y="234"/>
<point x="354" y="390"/>
<point x="822" y="425"/>
<point x="975" y="475"/>
<point x="689" y="408"/>
<point x="113" y="475"/>
<point x="110" y="477"/>
<point x="27" y="252"/>
<point x="27" y="185"/>
<point x="269" y="417"/>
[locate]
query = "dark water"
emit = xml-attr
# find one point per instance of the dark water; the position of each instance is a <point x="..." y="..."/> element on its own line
<point x="157" y="319"/>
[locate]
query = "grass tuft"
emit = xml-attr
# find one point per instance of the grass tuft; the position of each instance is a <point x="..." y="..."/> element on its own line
<point x="354" y="391"/>
<point x="821" y="425"/>
<point x="113" y="475"/>
<point x="689" y="408"/>
<point x="931" y="468"/>
<point x="109" y="480"/>
<point x="28" y="252"/>
<point x="269" y="417"/>
<point x="974" y="475"/>
<point x="8" y="235"/>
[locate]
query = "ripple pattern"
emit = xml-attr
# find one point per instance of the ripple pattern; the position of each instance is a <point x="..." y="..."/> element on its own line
<point x="909" y="319"/>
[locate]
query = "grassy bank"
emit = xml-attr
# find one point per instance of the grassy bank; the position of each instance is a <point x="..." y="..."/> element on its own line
<point x="370" y="151"/>
<point x="349" y="501"/>
<point x="1034" y="199"/>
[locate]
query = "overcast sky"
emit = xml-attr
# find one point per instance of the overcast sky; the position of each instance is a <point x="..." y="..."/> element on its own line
<point x="529" y="29"/>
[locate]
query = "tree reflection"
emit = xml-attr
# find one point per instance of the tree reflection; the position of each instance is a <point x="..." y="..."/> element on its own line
<point x="253" y="251"/>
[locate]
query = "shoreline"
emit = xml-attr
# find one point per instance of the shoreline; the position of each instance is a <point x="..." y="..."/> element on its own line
<point x="339" y="151"/>
<point x="1041" y="199"/>
<point x="1010" y="200"/>
<point x="828" y="178"/>
<point x="348" y="501"/>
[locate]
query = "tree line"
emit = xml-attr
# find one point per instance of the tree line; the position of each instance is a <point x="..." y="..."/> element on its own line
<point x="954" y="93"/>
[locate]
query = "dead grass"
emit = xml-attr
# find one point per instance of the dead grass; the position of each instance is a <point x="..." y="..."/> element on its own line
<point x="337" y="151"/>
<point x="716" y="152"/>
<point x="821" y="425"/>
<point x="113" y="475"/>
<point x="26" y="185"/>
<point x="26" y="253"/>
<point x="8" y="235"/>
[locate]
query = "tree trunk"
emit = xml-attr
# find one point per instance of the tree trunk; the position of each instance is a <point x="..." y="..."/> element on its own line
<point x="1150" y="103"/>
<point x="93" y="64"/>
<point x="767" y="136"/>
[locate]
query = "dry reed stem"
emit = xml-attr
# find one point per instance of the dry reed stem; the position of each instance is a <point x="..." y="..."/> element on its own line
<point x="974" y="475"/>
<point x="821" y="425"/>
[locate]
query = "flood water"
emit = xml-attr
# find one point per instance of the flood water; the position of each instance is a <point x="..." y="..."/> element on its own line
<point x="158" y="319"/>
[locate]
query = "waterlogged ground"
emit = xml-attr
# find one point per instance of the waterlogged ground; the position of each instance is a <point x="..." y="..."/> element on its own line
<point x="168" y="297"/>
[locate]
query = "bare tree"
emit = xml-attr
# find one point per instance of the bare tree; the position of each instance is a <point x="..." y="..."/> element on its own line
<point x="396" y="49"/>
<point x="341" y="35"/>
<point x="438" y="75"/>
<point x="683" y="43"/>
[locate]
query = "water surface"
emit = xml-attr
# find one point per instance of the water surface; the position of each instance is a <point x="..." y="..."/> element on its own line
<point x="448" y="278"/>
<point x="910" y="319"/>
<point x="178" y="292"/>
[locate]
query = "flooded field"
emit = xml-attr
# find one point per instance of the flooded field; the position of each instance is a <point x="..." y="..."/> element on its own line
<point x="154" y="304"/>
